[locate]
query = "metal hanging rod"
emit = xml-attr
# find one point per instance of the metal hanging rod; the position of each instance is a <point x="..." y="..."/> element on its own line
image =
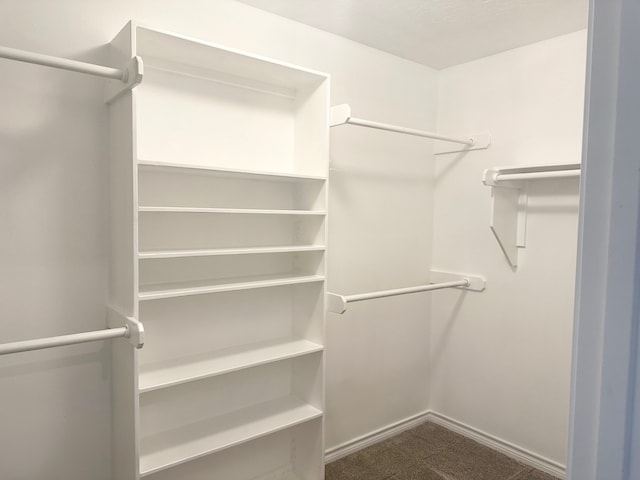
<point x="63" y="63"/>
<point x="338" y="303"/>
<point x="403" y="291"/>
<point x="505" y="177"/>
<point x="72" y="339"/>
<point x="127" y="78"/>
<point x="341" y="115"/>
<point x="121" y="327"/>
<point x="494" y="176"/>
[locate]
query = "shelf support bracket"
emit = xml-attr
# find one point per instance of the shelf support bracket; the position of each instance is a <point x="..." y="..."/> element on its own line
<point x="135" y="328"/>
<point x="509" y="200"/>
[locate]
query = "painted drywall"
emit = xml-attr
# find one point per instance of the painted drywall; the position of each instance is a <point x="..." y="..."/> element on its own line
<point x="54" y="247"/>
<point x="448" y="32"/>
<point x="500" y="360"/>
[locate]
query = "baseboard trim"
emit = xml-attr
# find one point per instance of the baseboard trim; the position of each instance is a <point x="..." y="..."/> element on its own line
<point x="509" y="449"/>
<point x="364" y="441"/>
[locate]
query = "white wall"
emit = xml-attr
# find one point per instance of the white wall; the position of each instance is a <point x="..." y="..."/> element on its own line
<point x="500" y="360"/>
<point x="53" y="168"/>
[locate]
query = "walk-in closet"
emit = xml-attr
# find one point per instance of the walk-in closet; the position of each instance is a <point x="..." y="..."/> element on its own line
<point x="298" y="240"/>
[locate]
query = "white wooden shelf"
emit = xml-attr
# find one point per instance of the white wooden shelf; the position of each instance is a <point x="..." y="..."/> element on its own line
<point x="509" y="200"/>
<point x="174" y="447"/>
<point x="514" y="177"/>
<point x="174" y="372"/>
<point x="182" y="289"/>
<point x="230" y="172"/>
<point x="235" y="211"/>
<point x="229" y="251"/>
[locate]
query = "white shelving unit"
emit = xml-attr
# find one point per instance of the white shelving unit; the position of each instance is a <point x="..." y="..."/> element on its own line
<point x="219" y="164"/>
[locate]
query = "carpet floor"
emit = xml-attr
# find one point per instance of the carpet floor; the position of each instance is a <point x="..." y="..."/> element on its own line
<point x="430" y="452"/>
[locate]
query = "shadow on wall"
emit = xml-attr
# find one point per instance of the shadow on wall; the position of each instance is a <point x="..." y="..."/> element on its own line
<point x="54" y="188"/>
<point x="452" y="161"/>
<point x="436" y="351"/>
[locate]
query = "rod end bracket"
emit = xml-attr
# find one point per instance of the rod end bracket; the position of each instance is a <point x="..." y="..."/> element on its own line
<point x="475" y="283"/>
<point x="336" y="303"/>
<point x="479" y="141"/>
<point x="131" y="78"/>
<point x="135" y="329"/>
<point x="340" y="114"/>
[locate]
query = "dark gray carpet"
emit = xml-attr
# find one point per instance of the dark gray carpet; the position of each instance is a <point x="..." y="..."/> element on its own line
<point x="430" y="452"/>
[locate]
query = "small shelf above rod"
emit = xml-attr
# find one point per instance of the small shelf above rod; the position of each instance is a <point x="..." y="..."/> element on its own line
<point x="493" y="176"/>
<point x="341" y="115"/>
<point x="509" y="200"/>
<point x="338" y="303"/>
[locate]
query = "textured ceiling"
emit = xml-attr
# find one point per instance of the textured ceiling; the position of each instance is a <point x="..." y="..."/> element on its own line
<point x="437" y="33"/>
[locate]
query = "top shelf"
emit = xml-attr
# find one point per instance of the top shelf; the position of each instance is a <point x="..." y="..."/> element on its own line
<point x="509" y="201"/>
<point x="239" y="174"/>
<point x="203" y="104"/>
<point x="180" y="50"/>
<point x="512" y="176"/>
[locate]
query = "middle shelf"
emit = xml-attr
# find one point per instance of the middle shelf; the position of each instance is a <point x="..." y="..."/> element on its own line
<point x="201" y="287"/>
<point x="169" y="187"/>
<point x="229" y="251"/>
<point x="236" y="211"/>
<point x="195" y="275"/>
<point x="171" y="372"/>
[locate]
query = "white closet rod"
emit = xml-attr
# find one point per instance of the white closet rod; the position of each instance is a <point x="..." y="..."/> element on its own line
<point x="63" y="63"/>
<point x="508" y="177"/>
<point x="493" y="176"/>
<point x="403" y="291"/>
<point x="341" y="114"/>
<point x="49" y="342"/>
<point x="338" y="303"/>
<point x="408" y="131"/>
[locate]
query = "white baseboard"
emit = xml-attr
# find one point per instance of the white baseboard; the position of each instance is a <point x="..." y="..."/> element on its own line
<point x="520" y="454"/>
<point x="509" y="449"/>
<point x="360" y="443"/>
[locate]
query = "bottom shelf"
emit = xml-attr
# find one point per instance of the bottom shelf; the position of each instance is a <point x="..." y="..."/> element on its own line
<point x="174" y="447"/>
<point x="295" y="453"/>
<point x="284" y="474"/>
